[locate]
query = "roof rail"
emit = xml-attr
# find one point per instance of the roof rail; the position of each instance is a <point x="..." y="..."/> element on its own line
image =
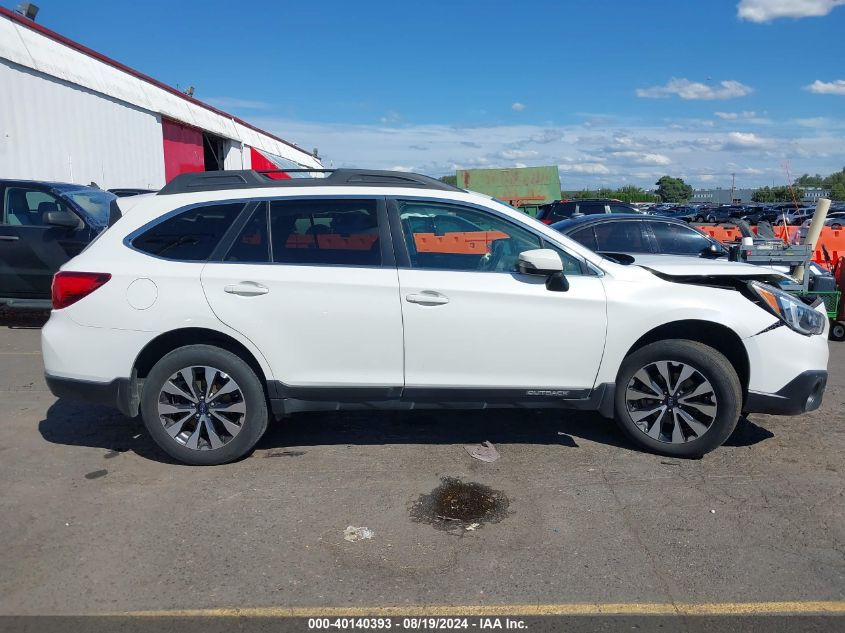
<point x="252" y="179"/>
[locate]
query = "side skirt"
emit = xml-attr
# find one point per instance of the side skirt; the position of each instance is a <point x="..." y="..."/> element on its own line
<point x="286" y="400"/>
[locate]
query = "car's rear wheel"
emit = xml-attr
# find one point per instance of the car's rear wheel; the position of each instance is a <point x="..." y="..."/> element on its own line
<point x="678" y="397"/>
<point x="204" y="405"/>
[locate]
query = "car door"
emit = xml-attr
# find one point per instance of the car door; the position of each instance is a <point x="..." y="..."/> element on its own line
<point x="312" y="283"/>
<point x="31" y="251"/>
<point x="473" y="323"/>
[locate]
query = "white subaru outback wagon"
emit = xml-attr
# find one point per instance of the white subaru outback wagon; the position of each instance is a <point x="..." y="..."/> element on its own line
<point x="229" y="297"/>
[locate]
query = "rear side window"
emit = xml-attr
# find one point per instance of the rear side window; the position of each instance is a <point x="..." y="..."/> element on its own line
<point x="621" y="237"/>
<point x="586" y="237"/>
<point x="342" y="232"/>
<point x="621" y="208"/>
<point x="561" y="211"/>
<point x="190" y="236"/>
<point x="591" y="208"/>
<point x="252" y="245"/>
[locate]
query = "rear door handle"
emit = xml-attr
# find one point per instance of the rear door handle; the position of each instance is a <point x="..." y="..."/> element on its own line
<point x="427" y="298"/>
<point x="9" y="238"/>
<point x="246" y="289"/>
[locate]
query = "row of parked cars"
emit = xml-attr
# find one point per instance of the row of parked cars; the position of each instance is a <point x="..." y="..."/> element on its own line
<point x="778" y="215"/>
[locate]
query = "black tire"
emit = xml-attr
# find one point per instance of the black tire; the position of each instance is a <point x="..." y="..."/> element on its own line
<point x="251" y="392"/>
<point x="837" y="331"/>
<point x="836" y="226"/>
<point x="712" y="366"/>
<point x="712" y="219"/>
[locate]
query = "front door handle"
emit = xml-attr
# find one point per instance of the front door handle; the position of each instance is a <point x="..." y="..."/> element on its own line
<point x="247" y="289"/>
<point x="9" y="238"/>
<point x="427" y="298"/>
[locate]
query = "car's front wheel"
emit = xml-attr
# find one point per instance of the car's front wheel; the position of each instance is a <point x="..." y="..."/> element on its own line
<point x="678" y="397"/>
<point x="204" y="405"/>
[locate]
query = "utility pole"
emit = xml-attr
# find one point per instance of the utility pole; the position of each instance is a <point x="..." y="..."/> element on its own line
<point x="733" y="186"/>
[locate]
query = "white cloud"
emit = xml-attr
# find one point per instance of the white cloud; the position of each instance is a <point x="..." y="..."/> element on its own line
<point x="516" y="106"/>
<point x="618" y="153"/>
<point x="237" y="104"/>
<point x="835" y="87"/>
<point x="643" y="158"/>
<point x="693" y="90"/>
<point x="390" y="118"/>
<point x="584" y="168"/>
<point x="768" y="10"/>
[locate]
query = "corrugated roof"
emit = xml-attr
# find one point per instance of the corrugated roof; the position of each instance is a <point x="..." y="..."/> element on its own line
<point x="34" y="46"/>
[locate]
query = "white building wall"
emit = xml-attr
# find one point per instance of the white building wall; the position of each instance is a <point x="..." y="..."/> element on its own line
<point x="30" y="49"/>
<point x="53" y="130"/>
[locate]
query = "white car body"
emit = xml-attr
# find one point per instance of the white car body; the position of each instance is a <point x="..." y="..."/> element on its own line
<point x="400" y="332"/>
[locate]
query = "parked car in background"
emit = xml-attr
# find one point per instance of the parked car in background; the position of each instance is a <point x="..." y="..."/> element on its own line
<point x="130" y="191"/>
<point x="44" y="224"/>
<point x="563" y="209"/>
<point x="640" y="234"/>
<point x="834" y="220"/>
<point x="687" y="214"/>
<point x="714" y="215"/>
<point x="212" y="307"/>
<point x="795" y="216"/>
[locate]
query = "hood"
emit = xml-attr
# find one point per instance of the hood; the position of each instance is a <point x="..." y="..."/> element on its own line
<point x="682" y="266"/>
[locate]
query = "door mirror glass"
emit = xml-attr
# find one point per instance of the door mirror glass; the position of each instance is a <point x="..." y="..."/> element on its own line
<point x="61" y="218"/>
<point x="540" y="261"/>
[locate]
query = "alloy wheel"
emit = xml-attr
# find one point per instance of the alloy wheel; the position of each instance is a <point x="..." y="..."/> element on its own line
<point x="671" y="402"/>
<point x="201" y="407"/>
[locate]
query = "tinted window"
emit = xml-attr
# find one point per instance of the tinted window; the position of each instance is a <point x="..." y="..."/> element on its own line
<point x="482" y="241"/>
<point x="591" y="208"/>
<point x="621" y="208"/>
<point x="678" y="240"/>
<point x="586" y="237"/>
<point x="26" y="207"/>
<point x="253" y="242"/>
<point x="190" y="236"/>
<point x="621" y="237"/>
<point x="325" y="232"/>
<point x="559" y="211"/>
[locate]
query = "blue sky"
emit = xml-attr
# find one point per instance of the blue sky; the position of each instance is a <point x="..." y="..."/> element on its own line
<point x="612" y="91"/>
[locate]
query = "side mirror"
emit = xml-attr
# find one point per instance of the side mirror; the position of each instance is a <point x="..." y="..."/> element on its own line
<point x="546" y="262"/>
<point x="714" y="250"/>
<point x="540" y="261"/>
<point x="61" y="218"/>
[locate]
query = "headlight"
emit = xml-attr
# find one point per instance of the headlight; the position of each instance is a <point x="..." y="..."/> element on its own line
<point x="791" y="310"/>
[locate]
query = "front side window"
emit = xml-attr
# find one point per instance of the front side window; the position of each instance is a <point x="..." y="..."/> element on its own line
<point x="679" y="240"/>
<point x="26" y="207"/>
<point x="586" y="237"/>
<point x="191" y="235"/>
<point x="344" y="232"/>
<point x="94" y="201"/>
<point x="444" y="236"/>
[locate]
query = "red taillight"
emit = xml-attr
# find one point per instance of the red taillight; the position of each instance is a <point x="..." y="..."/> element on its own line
<point x="546" y="220"/>
<point x="70" y="287"/>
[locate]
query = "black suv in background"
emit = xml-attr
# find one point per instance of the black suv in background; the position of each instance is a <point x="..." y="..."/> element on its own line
<point x="44" y="224"/>
<point x="565" y="209"/>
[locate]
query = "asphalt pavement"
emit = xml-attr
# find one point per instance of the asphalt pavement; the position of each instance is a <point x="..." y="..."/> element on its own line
<point x="95" y="519"/>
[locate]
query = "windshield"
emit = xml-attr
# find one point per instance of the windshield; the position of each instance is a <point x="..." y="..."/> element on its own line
<point x="94" y="202"/>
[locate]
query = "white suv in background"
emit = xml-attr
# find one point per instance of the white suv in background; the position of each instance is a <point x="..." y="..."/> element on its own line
<point x="229" y="296"/>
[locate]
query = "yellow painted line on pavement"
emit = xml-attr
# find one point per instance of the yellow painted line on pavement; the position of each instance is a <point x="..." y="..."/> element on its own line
<point x="524" y="610"/>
